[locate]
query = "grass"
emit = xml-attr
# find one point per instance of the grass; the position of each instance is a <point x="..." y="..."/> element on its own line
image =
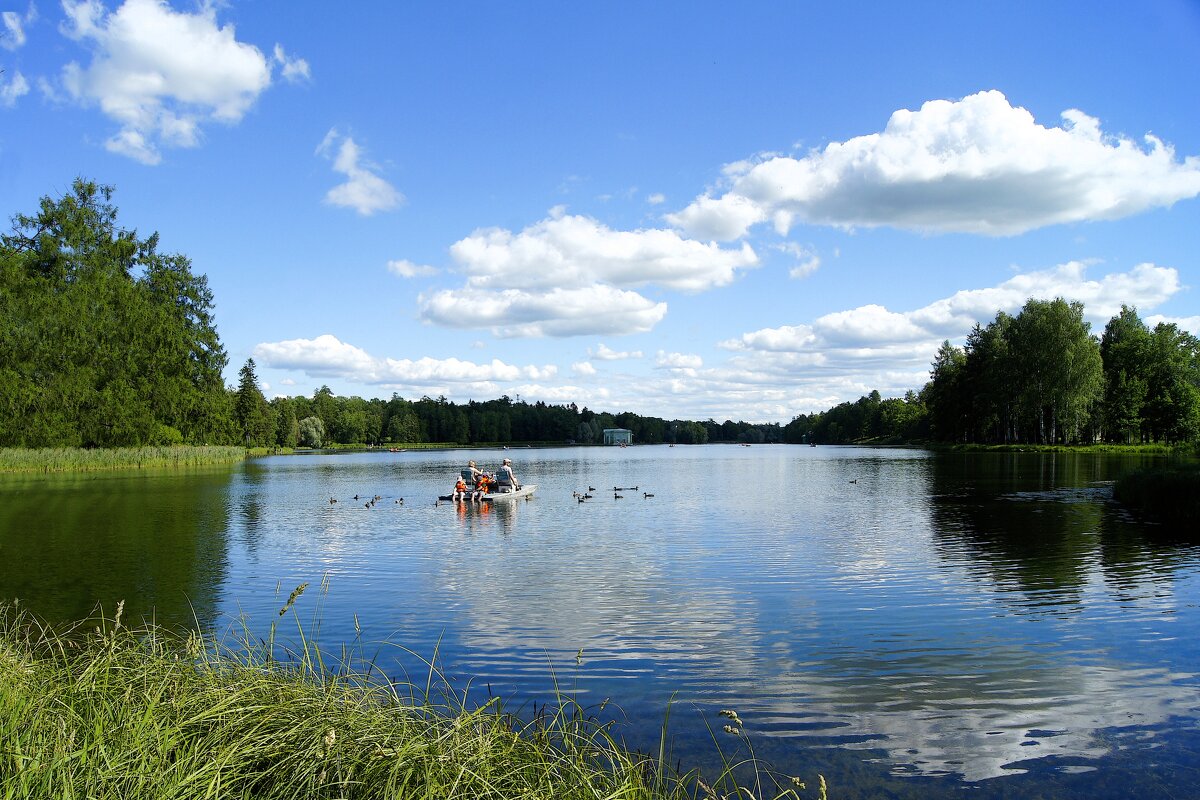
<point x="1170" y="493"/>
<point x="72" y="459"/>
<point x="104" y="711"/>
<point x="1131" y="449"/>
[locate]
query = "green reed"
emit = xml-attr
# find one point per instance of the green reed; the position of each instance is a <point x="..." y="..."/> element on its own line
<point x="73" y="459"/>
<point x="102" y="710"/>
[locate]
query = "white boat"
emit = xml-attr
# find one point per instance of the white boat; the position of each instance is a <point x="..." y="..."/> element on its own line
<point x="525" y="490"/>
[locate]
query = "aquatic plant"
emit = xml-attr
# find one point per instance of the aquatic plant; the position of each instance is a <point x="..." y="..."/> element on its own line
<point x="73" y="459"/>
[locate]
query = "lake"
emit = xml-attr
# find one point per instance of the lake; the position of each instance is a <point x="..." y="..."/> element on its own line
<point x="908" y="623"/>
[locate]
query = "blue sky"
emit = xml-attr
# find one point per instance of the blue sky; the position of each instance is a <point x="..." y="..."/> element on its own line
<point x="687" y="210"/>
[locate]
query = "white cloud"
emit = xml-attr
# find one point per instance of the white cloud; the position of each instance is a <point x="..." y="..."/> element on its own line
<point x="566" y="250"/>
<point x="364" y="191"/>
<point x="294" y="69"/>
<point x="407" y="269"/>
<point x="605" y="353"/>
<point x="807" y="262"/>
<point x="571" y="275"/>
<point x="326" y="356"/>
<point x="656" y="199"/>
<point x="686" y="361"/>
<point x="160" y="73"/>
<point x="551" y="312"/>
<point x="12" y="90"/>
<point x="13" y="36"/>
<point x="977" y="165"/>
<point x="583" y="368"/>
<point x="1189" y="324"/>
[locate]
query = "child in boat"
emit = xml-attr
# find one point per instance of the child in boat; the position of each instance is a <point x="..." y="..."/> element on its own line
<point x="460" y="490"/>
<point x="481" y="486"/>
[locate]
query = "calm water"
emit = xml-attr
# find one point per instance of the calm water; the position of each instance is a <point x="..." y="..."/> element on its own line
<point x="909" y="624"/>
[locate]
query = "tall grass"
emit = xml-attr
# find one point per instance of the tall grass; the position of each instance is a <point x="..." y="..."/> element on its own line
<point x="104" y="711"/>
<point x="71" y="459"/>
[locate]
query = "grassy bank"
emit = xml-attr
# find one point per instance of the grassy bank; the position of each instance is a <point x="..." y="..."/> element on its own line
<point x="1169" y="493"/>
<point x="1132" y="449"/>
<point x="101" y="711"/>
<point x="72" y="459"/>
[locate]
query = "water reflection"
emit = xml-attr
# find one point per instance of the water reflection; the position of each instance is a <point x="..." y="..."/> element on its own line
<point x="155" y="540"/>
<point x="944" y="618"/>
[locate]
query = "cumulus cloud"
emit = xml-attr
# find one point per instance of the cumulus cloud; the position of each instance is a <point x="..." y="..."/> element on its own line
<point x="363" y="191"/>
<point x="976" y="165"/>
<point x="684" y="361"/>
<point x="605" y="353"/>
<point x="12" y="90"/>
<point x="295" y="70"/>
<point x="549" y="312"/>
<point x="160" y="73"/>
<point x="572" y="275"/>
<point x="328" y="357"/>
<point x="567" y="250"/>
<point x="583" y="368"/>
<point x="407" y="269"/>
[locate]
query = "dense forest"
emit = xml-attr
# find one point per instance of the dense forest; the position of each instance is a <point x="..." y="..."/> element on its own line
<point x="104" y="340"/>
<point x="1040" y="377"/>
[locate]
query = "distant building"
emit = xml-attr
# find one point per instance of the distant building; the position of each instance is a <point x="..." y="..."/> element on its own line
<point x="618" y="436"/>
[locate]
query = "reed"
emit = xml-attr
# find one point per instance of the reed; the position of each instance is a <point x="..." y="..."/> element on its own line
<point x="101" y="710"/>
<point x="72" y="459"/>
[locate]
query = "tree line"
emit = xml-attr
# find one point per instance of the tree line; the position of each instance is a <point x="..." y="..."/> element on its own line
<point x="1040" y="377"/>
<point x="105" y="341"/>
<point x="326" y="419"/>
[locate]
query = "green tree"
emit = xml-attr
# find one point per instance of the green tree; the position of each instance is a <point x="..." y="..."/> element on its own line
<point x="254" y="415"/>
<point x="104" y="340"/>
<point x="312" y="432"/>
<point x="1125" y="353"/>
<point x="1057" y="365"/>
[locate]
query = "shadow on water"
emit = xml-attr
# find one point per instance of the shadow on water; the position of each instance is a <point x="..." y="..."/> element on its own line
<point x="157" y="540"/>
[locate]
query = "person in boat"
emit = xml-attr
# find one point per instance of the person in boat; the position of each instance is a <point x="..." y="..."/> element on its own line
<point x="471" y="474"/>
<point x="481" y="486"/>
<point x="460" y="490"/>
<point x="506" y="481"/>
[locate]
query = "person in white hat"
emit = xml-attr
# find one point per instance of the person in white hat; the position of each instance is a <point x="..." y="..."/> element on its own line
<point x="506" y="481"/>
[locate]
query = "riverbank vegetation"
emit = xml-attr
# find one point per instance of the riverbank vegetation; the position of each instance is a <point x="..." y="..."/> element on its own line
<point x="101" y="710"/>
<point x="1169" y="493"/>
<point x="74" y="459"/>
<point x="1038" y="378"/>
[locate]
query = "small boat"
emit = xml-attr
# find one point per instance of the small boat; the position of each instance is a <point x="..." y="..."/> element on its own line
<point x="499" y="497"/>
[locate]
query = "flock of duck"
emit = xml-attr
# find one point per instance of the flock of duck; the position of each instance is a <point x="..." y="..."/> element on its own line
<point x="583" y="496"/>
<point x="579" y="496"/>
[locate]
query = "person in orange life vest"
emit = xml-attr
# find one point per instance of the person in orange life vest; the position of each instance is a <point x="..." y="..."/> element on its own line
<point x="460" y="490"/>
<point x="481" y="486"/>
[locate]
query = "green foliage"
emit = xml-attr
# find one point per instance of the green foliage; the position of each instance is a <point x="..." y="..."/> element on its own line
<point x="312" y="432"/>
<point x="104" y="341"/>
<point x="100" y="710"/>
<point x="255" y="416"/>
<point x="1169" y="493"/>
